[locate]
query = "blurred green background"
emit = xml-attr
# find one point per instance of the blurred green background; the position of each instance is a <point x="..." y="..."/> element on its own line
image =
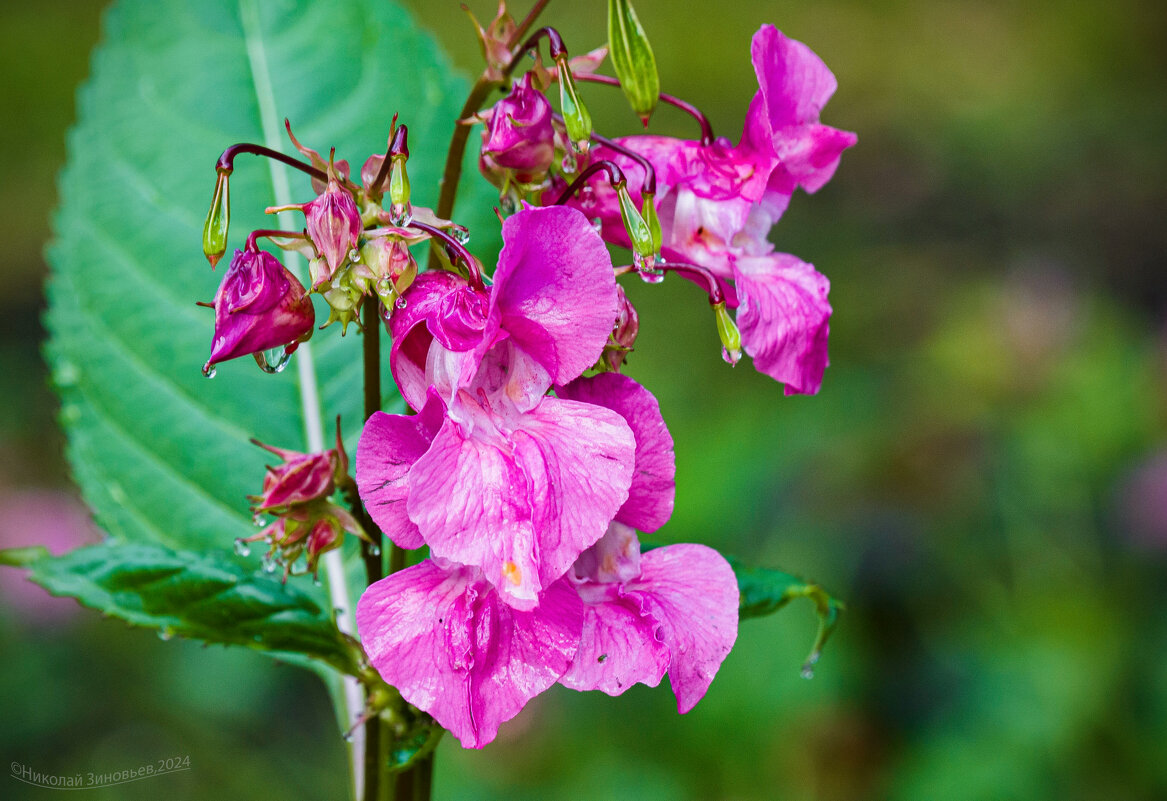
<point x="983" y="477"/>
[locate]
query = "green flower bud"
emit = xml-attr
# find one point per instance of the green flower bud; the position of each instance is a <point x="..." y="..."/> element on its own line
<point x="633" y="59"/>
<point x="218" y="220"/>
<point x="575" y="113"/>
<point x="638" y="230"/>
<point x="652" y="219"/>
<point x="731" y="338"/>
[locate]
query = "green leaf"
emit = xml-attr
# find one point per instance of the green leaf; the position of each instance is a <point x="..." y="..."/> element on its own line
<point x="160" y="452"/>
<point x="765" y="591"/>
<point x="197" y="596"/>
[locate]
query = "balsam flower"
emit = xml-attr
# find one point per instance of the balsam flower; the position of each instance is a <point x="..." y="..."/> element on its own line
<point x="718" y="201"/>
<point x="259" y="305"/>
<point x="493" y="473"/>
<point x="519" y="136"/>
<point x="672" y="609"/>
<point x="445" y="638"/>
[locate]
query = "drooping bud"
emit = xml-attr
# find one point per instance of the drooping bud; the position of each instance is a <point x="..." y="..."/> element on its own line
<point x="633" y="59"/>
<point x="218" y="219"/>
<point x="302" y="478"/>
<point x="731" y="338"/>
<point x="259" y="306"/>
<point x="624" y="332"/>
<point x="495" y="40"/>
<point x="519" y="135"/>
<point x="334" y="223"/>
<point x="575" y="114"/>
<point x="391" y="267"/>
<point x="639" y="232"/>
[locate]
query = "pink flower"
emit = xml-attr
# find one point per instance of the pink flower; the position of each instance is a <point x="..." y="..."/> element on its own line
<point x="493" y="473"/>
<point x="717" y="203"/>
<point x="672" y="609"/>
<point x="442" y="635"/>
<point x="519" y="135"/>
<point x="259" y="305"/>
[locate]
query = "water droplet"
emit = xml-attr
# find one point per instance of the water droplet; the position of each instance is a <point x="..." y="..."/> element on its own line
<point x="731" y="357"/>
<point x="807" y="671"/>
<point x="400" y="302"/>
<point x="400" y="214"/>
<point x="270" y="563"/>
<point x="461" y="233"/>
<point x="273" y="360"/>
<point x="646" y="268"/>
<point x="374" y="550"/>
<point x="165" y="633"/>
<point x="258" y="521"/>
<point x="508" y="204"/>
<point x="317" y="582"/>
<point x="348" y="736"/>
<point x="209" y="370"/>
<point x="597" y="224"/>
<point x="569" y="163"/>
<point x="651" y="276"/>
<point x="354" y="256"/>
<point x="241" y="547"/>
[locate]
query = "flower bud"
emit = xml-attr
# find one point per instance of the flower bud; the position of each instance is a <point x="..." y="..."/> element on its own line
<point x="218" y="220"/>
<point x="575" y="114"/>
<point x="519" y="135"/>
<point x="652" y="220"/>
<point x="343" y="296"/>
<point x="624" y="332"/>
<point x="400" y="211"/>
<point x="633" y="59"/>
<point x="731" y="338"/>
<point x="391" y="267"/>
<point x="643" y="244"/>
<point x="259" y="305"/>
<point x="303" y="477"/>
<point x="334" y="224"/>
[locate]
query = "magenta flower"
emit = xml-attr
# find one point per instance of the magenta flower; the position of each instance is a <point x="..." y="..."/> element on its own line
<point x="672" y="609"/>
<point x="717" y="203"/>
<point x="259" y="305"/>
<point x="519" y="135"/>
<point x="443" y="636"/>
<point x="492" y="472"/>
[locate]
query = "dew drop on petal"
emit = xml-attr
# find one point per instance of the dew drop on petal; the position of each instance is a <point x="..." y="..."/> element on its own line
<point x="400" y="302"/>
<point x="354" y="256"/>
<point x="241" y="547"/>
<point x="209" y="371"/>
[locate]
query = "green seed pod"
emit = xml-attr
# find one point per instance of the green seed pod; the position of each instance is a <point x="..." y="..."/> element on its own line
<point x="633" y="59"/>
<point x="652" y="220"/>
<point x="638" y="230"/>
<point x="731" y="338"/>
<point x="218" y="220"/>
<point x="575" y="114"/>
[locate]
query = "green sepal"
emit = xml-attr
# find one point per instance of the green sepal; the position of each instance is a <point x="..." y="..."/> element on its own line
<point x="576" y="118"/>
<point x="633" y="58"/>
<point x="638" y="230"/>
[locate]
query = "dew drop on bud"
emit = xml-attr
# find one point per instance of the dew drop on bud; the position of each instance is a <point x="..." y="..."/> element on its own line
<point x="731" y="357"/>
<point x="273" y="360"/>
<point x="508" y="204"/>
<point x="270" y="563"/>
<point x="646" y="268"/>
<point x="209" y="371"/>
<point x="461" y="234"/>
<point x="400" y="302"/>
<point x="165" y="633"/>
<point x="354" y="255"/>
<point x="317" y="582"/>
<point x="241" y="547"/>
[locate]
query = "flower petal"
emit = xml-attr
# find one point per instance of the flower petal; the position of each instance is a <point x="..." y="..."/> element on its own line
<point x="409" y="328"/>
<point x="554" y="291"/>
<point x="795" y="82"/>
<point x="521" y="498"/>
<point x="390" y="444"/>
<point x="692" y="593"/>
<point x="618" y="647"/>
<point x="449" y="644"/>
<point x="653" y="488"/>
<point x="784" y="317"/>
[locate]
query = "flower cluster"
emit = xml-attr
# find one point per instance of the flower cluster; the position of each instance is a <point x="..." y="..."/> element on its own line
<point x="529" y="503"/>
<point x="530" y="465"/>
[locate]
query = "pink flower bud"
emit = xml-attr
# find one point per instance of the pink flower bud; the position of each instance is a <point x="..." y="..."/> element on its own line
<point x="519" y="135"/>
<point x="623" y="332"/>
<point x="303" y="477"/>
<point x="334" y="224"/>
<point x="259" y="305"/>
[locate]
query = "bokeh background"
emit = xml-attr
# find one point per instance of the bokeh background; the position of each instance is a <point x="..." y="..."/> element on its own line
<point x="983" y="478"/>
